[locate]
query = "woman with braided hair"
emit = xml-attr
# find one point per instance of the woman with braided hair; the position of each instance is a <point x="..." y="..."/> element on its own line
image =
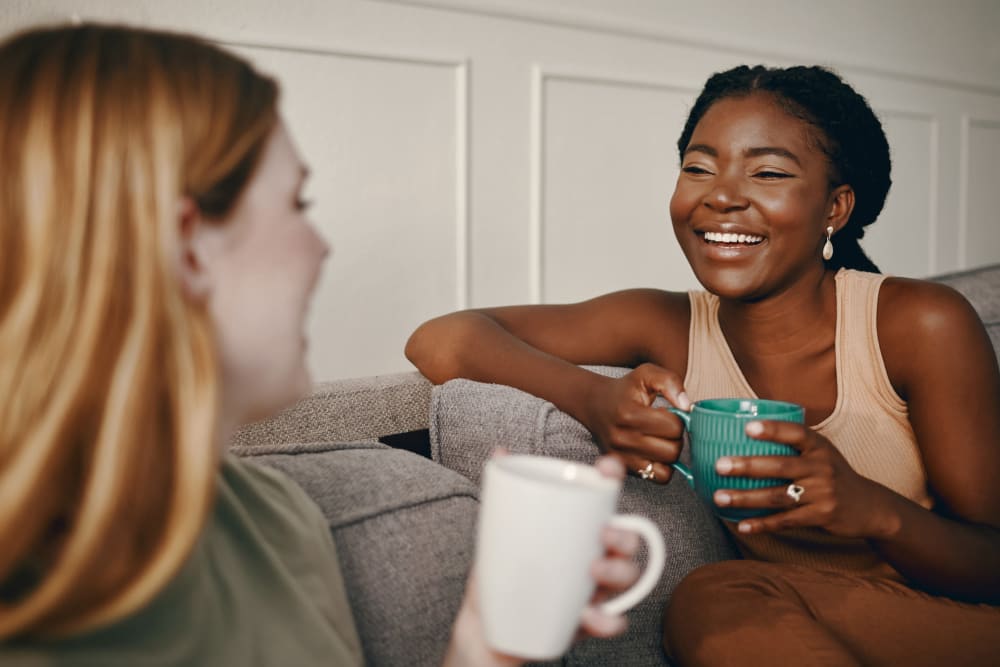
<point x="884" y="549"/>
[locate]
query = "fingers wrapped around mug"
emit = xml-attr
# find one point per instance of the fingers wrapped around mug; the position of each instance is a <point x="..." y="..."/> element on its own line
<point x="646" y="469"/>
<point x="649" y="443"/>
<point x="820" y="489"/>
<point x="614" y="572"/>
<point x="786" y="498"/>
<point x="644" y="455"/>
<point x="621" y="416"/>
<point x="656" y="380"/>
<point x="779" y="497"/>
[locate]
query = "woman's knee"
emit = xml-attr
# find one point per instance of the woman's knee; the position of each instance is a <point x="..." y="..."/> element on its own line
<point x="714" y="587"/>
<point x="713" y="601"/>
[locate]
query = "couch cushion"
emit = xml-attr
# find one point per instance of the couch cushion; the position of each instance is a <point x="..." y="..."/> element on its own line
<point x="405" y="531"/>
<point x="993" y="329"/>
<point x="469" y="419"/>
<point x="358" y="409"/>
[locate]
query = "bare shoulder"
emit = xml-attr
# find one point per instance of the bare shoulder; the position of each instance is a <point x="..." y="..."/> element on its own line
<point x="941" y="361"/>
<point x="920" y="308"/>
<point x="923" y="324"/>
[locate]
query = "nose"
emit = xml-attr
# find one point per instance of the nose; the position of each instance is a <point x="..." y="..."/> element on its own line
<point x="725" y="195"/>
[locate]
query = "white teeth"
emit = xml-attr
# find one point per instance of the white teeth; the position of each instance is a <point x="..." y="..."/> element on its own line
<point x="727" y="237"/>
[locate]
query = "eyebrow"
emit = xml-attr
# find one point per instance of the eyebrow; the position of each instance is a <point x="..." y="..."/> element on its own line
<point x="772" y="150"/>
<point x="701" y="148"/>
<point x="757" y="151"/>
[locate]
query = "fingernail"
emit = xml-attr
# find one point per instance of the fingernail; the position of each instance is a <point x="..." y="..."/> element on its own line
<point x="754" y="428"/>
<point x="724" y="465"/>
<point x="685" y="402"/>
<point x="722" y="498"/>
<point x="744" y="527"/>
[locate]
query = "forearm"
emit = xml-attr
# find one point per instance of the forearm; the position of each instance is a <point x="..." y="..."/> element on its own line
<point x="474" y="346"/>
<point x="936" y="553"/>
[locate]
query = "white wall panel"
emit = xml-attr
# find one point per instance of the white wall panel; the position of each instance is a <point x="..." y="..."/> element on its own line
<point x="901" y="242"/>
<point x="980" y="224"/>
<point x="384" y="138"/>
<point x="482" y="152"/>
<point x="928" y="40"/>
<point x="609" y="162"/>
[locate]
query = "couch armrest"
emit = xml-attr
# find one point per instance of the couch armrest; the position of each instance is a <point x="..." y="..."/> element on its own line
<point x="404" y="529"/>
<point x="346" y="410"/>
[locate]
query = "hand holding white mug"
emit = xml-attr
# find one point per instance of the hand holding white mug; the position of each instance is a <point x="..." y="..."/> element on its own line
<point x="540" y="529"/>
<point x="612" y="572"/>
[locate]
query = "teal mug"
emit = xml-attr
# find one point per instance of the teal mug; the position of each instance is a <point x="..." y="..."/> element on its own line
<point x="717" y="427"/>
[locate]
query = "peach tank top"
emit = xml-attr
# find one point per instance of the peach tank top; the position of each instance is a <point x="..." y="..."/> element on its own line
<point x="869" y="423"/>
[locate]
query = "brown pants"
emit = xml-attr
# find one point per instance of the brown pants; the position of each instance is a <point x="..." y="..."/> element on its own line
<point x="754" y="613"/>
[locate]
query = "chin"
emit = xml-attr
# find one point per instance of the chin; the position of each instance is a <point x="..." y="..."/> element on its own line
<point x="280" y="395"/>
<point x="716" y="278"/>
<point x="727" y="283"/>
<point x="305" y="384"/>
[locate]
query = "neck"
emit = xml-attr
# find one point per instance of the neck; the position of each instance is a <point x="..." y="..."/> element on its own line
<point x="784" y="322"/>
<point x="228" y="422"/>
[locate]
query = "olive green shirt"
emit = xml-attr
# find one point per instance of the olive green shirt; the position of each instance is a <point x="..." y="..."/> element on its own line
<point x="262" y="586"/>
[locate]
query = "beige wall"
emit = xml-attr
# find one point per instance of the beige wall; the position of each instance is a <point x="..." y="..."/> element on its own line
<point x="478" y="152"/>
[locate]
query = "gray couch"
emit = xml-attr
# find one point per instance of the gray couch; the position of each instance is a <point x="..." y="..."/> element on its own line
<point x="404" y="521"/>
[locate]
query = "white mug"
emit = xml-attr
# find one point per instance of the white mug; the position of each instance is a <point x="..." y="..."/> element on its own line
<point x="539" y="532"/>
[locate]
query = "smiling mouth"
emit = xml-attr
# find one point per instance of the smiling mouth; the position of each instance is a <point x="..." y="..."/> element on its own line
<point x="732" y="239"/>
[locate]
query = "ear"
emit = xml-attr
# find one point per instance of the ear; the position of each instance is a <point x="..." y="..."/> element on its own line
<point x="840" y="207"/>
<point x="191" y="261"/>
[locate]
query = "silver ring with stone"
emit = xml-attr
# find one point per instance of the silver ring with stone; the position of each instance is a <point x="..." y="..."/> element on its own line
<point x="794" y="491"/>
<point x="647" y="472"/>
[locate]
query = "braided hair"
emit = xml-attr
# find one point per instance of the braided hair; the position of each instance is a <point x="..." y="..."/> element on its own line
<point x="848" y="132"/>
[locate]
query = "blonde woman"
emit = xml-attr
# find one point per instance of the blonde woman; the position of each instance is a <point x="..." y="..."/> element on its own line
<point x="156" y="264"/>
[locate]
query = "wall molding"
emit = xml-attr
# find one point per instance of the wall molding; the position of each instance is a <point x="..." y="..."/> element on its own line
<point x="461" y="72"/>
<point x="969" y="121"/>
<point x="618" y="27"/>
<point x="541" y="76"/>
<point x="934" y="176"/>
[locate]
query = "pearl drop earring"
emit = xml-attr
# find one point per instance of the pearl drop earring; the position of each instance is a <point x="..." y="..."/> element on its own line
<point x="828" y="246"/>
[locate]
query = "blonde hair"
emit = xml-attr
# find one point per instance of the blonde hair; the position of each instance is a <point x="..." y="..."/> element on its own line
<point x="108" y="374"/>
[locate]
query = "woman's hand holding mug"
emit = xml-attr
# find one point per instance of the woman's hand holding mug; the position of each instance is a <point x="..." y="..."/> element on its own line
<point x="621" y="416"/>
<point x="833" y="496"/>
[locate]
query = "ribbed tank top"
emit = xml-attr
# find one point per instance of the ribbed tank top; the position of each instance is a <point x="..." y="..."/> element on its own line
<point x="869" y="423"/>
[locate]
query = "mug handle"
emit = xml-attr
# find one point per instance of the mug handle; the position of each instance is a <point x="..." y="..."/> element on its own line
<point x="677" y="465"/>
<point x="654" y="565"/>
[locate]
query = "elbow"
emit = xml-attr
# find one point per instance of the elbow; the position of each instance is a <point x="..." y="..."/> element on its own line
<point x="418" y="346"/>
<point x="434" y="348"/>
